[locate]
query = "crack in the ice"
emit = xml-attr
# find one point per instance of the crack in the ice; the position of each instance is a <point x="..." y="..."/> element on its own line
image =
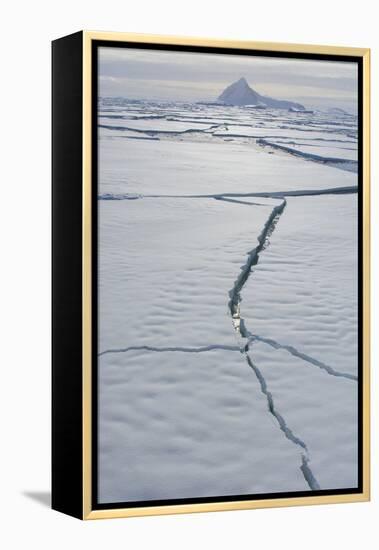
<point x="253" y="256"/>
<point x="223" y="196"/>
<point x="234" y="306"/>
<point x="344" y="164"/>
<point x="308" y="474"/>
<point x="200" y="349"/>
<point x="270" y="401"/>
<point x="240" y="328"/>
<point x="162" y="133"/>
<point x="226" y="199"/>
<point x="292" y="193"/>
<point x="305" y="357"/>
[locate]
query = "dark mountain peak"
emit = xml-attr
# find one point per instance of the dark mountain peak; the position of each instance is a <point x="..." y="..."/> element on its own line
<point x="240" y="93"/>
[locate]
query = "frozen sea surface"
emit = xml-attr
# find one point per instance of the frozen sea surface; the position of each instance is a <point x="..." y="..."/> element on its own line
<point x="188" y="167"/>
<point x="167" y="265"/>
<point x="182" y="425"/>
<point x="304" y="291"/>
<point x="320" y="409"/>
<point x="228" y="355"/>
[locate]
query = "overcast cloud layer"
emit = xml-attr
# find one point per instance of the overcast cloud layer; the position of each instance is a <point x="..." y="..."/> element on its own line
<point x="182" y="76"/>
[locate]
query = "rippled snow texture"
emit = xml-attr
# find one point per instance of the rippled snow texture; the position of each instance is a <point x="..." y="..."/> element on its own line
<point x="183" y="410"/>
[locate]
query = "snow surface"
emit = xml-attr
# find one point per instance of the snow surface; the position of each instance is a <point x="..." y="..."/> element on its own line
<point x="307" y="280"/>
<point x="166" y="267"/>
<point x="228" y="358"/>
<point x="177" y="425"/>
<point x="191" y="167"/>
<point x="320" y="409"/>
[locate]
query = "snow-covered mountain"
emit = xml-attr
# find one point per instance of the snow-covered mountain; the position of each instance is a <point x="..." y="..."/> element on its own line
<point x="240" y="93"/>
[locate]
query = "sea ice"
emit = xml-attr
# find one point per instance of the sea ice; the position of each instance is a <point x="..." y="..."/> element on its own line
<point x="166" y="267"/>
<point x="188" y="408"/>
<point x="187" y="168"/>
<point x="304" y="292"/>
<point x="187" y="425"/>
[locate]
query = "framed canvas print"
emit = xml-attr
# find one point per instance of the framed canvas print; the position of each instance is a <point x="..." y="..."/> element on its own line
<point x="210" y="275"/>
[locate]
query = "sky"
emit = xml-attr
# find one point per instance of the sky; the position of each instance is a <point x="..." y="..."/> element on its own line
<point x="188" y="76"/>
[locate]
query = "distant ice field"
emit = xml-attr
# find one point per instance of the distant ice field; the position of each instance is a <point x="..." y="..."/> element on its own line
<point x="227" y="301"/>
<point x="220" y="150"/>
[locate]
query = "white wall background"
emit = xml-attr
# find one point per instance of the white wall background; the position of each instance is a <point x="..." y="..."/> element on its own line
<point x="27" y="29"/>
